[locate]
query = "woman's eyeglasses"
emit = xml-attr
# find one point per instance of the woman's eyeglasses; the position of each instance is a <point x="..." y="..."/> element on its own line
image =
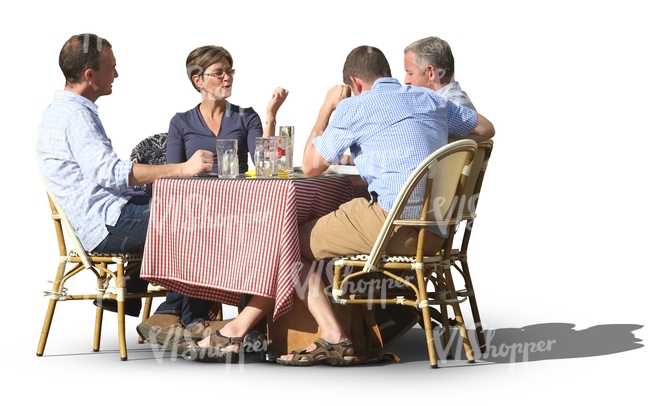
<point x="221" y="73"/>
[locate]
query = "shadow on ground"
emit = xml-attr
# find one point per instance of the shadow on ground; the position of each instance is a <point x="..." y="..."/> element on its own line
<point x="537" y="342"/>
<point x="530" y="343"/>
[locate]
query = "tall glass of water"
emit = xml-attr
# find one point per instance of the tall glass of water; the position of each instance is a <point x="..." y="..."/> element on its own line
<point x="266" y="155"/>
<point x="227" y="158"/>
<point x="285" y="151"/>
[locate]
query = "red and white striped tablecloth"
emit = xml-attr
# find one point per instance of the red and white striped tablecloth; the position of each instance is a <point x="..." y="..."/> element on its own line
<point x="217" y="239"/>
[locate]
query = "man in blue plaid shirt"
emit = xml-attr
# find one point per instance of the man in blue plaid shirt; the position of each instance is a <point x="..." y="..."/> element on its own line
<point x="389" y="130"/>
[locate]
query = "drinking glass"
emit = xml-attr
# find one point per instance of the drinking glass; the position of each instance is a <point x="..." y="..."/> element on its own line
<point x="227" y="159"/>
<point x="285" y="151"/>
<point x="266" y="156"/>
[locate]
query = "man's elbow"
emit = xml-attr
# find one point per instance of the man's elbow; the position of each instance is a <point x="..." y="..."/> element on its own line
<point x="311" y="171"/>
<point x="310" y="168"/>
<point x="313" y="164"/>
<point x="490" y="132"/>
<point x="484" y="130"/>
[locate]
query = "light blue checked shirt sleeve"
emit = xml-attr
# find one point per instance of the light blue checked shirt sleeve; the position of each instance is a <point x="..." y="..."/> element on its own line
<point x="389" y="130"/>
<point x="81" y="168"/>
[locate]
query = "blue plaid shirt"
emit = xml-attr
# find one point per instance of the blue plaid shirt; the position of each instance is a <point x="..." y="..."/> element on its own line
<point x="80" y="167"/>
<point x="389" y="130"/>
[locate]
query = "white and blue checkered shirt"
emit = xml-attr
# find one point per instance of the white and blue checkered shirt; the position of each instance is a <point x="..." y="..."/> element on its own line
<point x="389" y="130"/>
<point x="454" y="93"/>
<point x="81" y="168"/>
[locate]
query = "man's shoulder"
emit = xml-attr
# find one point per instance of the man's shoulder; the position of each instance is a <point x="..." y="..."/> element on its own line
<point x="394" y="92"/>
<point x="454" y="93"/>
<point x="72" y="101"/>
<point x="64" y="109"/>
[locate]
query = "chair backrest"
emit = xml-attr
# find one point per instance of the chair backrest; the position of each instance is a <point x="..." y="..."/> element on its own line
<point x="151" y="150"/>
<point x="475" y="178"/>
<point x="61" y="223"/>
<point x="446" y="170"/>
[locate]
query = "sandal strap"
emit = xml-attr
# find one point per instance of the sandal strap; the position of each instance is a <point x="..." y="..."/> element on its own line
<point x="219" y="341"/>
<point x="336" y="350"/>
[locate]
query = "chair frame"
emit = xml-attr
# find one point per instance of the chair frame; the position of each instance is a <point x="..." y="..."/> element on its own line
<point x="100" y="265"/>
<point x="459" y="256"/>
<point x="455" y="157"/>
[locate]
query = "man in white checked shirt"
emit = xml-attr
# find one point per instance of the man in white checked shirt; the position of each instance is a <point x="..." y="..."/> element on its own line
<point x="94" y="189"/>
<point x="389" y="129"/>
<point x="80" y="167"/>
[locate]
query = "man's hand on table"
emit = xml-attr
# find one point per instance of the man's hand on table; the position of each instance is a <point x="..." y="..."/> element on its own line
<point x="201" y="161"/>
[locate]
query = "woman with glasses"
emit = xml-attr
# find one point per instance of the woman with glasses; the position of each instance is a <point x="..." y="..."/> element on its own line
<point x="210" y="70"/>
<point x="182" y="318"/>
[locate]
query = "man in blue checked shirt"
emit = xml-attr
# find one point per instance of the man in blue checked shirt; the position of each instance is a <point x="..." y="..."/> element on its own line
<point x="389" y="129"/>
<point x="80" y="167"/>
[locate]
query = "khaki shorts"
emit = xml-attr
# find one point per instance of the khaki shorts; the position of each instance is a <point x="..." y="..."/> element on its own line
<point x="353" y="229"/>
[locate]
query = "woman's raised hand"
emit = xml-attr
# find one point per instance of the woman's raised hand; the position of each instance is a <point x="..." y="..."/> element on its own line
<point x="278" y="97"/>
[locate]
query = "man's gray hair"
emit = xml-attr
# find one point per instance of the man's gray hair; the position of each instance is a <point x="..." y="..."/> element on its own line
<point x="433" y="51"/>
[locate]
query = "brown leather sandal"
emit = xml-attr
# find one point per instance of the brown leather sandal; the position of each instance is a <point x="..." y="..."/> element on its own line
<point x="216" y="352"/>
<point x="324" y="353"/>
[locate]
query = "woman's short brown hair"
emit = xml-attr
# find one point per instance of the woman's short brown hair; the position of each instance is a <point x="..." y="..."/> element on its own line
<point x="202" y="57"/>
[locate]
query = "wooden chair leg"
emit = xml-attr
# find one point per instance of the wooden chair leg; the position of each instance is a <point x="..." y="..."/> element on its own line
<point x="428" y="331"/>
<point x="473" y="304"/>
<point x="46" y="327"/>
<point x="469" y="352"/>
<point x="460" y="322"/>
<point x="426" y="315"/>
<point x="120" y="288"/>
<point x="121" y="326"/>
<point x="99" y="316"/>
<point x="146" y="311"/>
<point x="477" y="323"/>
<point x="446" y="332"/>
<point x="57" y="288"/>
<point x="220" y="313"/>
<point x="444" y="315"/>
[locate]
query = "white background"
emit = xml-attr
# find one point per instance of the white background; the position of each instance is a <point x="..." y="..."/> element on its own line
<point x="559" y="250"/>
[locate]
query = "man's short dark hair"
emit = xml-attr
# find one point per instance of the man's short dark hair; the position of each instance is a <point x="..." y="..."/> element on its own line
<point x="79" y="53"/>
<point x="366" y="63"/>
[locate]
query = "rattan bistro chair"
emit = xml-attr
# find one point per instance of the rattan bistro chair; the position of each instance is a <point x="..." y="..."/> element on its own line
<point x="153" y="151"/>
<point x="445" y="171"/>
<point x="458" y="256"/>
<point x="110" y="270"/>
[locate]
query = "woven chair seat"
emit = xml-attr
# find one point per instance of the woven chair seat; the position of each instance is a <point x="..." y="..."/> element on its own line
<point x="124" y="256"/>
<point x="391" y="258"/>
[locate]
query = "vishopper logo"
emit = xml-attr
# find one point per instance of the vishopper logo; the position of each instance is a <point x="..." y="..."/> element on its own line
<point x="374" y="287"/>
<point x="181" y="346"/>
<point x="196" y="212"/>
<point x="510" y="353"/>
<point x="442" y="212"/>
